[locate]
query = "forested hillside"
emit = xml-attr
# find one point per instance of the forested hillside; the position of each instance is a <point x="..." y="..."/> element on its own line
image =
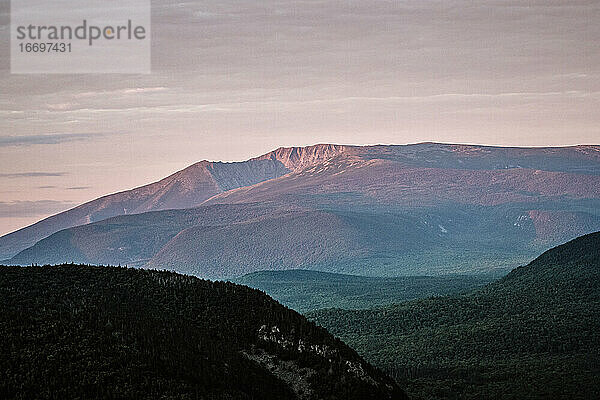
<point x="101" y="332"/>
<point x="534" y="334"/>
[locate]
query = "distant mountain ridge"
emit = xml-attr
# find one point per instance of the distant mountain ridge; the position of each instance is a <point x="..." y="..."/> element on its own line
<point x="441" y="196"/>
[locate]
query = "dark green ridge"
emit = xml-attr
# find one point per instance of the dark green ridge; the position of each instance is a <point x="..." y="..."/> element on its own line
<point x="73" y="331"/>
<point x="534" y="334"/>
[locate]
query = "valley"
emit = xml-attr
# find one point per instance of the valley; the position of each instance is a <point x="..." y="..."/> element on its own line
<point x="531" y="334"/>
<point x="305" y="291"/>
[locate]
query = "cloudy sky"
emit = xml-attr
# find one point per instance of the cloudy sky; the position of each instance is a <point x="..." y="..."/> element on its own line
<point x="234" y="79"/>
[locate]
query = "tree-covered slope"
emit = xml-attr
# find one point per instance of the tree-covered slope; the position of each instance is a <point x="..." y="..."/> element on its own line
<point x="102" y="332"/>
<point x="534" y="334"/>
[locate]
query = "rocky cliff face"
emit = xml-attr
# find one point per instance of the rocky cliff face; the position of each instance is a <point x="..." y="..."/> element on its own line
<point x="298" y="158"/>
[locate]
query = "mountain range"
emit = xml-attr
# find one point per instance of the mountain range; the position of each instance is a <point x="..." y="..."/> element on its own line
<point x="422" y="209"/>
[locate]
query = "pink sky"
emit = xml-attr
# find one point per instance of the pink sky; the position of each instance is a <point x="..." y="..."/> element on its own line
<point x="229" y="83"/>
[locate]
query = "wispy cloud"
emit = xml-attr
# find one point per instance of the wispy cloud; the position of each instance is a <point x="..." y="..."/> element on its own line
<point x="78" y="187"/>
<point x="111" y="93"/>
<point x="144" y="90"/>
<point x="16" y="209"/>
<point x="54" y="138"/>
<point x="32" y="174"/>
<point x="65" y="188"/>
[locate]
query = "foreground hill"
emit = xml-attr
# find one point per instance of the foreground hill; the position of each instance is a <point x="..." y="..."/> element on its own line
<point x="99" y="332"/>
<point x="420" y="209"/>
<point x="304" y="290"/>
<point x="534" y="334"/>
